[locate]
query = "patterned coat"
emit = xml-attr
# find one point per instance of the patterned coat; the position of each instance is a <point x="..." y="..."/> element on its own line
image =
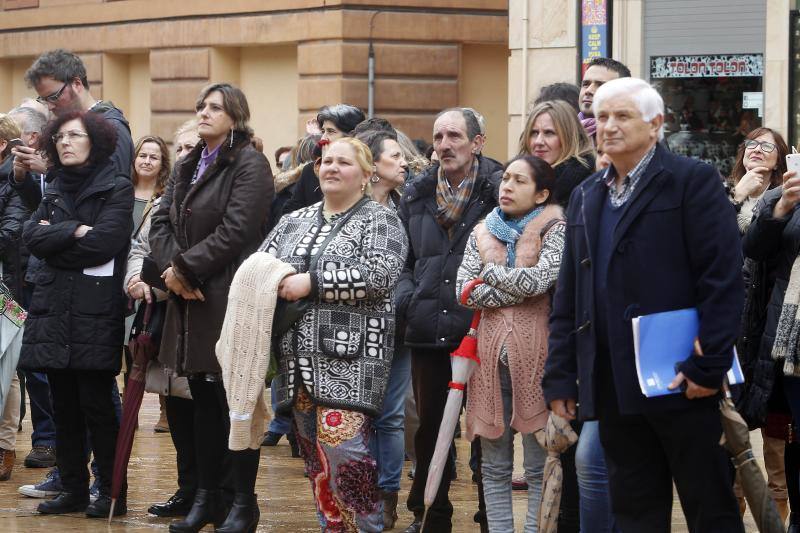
<point x="342" y="348"/>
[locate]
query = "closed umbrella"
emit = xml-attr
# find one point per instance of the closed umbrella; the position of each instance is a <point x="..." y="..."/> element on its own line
<point x="556" y="437"/>
<point x="463" y="362"/>
<point x="144" y="348"/>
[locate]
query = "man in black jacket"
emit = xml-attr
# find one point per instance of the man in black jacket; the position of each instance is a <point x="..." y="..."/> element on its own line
<point x="439" y="209"/>
<point x="655" y="232"/>
<point x="59" y="78"/>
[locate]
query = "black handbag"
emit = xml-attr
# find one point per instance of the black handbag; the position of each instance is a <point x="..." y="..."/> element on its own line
<point x="288" y="313"/>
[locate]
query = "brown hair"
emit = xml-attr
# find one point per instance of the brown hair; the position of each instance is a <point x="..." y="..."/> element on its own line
<point x="776" y="178"/>
<point x="233" y="100"/>
<point x="163" y="174"/>
<point x="574" y="141"/>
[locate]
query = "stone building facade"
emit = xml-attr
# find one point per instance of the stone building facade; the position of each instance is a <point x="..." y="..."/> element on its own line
<point x="152" y="57"/>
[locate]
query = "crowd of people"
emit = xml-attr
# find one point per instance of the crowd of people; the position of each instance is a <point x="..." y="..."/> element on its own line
<point x="343" y="279"/>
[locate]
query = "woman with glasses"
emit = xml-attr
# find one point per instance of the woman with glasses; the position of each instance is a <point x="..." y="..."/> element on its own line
<point x="760" y="164"/>
<point x="74" y="331"/>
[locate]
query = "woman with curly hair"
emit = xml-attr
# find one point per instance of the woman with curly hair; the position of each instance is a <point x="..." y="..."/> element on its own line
<point x="74" y="331"/>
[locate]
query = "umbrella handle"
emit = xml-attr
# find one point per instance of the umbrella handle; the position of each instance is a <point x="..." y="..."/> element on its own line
<point x="468" y="288"/>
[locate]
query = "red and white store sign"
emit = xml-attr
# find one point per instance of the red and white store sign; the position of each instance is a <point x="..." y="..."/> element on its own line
<point x="719" y="66"/>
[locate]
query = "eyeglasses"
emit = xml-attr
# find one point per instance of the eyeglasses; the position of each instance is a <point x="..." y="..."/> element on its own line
<point x="70" y="136"/>
<point x="53" y="97"/>
<point x="765" y="146"/>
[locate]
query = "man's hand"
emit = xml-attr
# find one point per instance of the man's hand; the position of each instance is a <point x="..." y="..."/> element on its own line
<point x="27" y="159"/>
<point x="693" y="390"/>
<point x="294" y="287"/>
<point x="564" y="408"/>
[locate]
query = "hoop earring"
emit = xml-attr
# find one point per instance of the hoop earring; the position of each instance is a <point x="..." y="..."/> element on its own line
<point x="231" y="143"/>
<point x="374" y="178"/>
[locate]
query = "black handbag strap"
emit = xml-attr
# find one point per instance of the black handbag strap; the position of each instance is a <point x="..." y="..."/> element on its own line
<point x="312" y="260"/>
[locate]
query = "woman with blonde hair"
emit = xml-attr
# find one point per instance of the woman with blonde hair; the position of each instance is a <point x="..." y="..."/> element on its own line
<point x="334" y="361"/>
<point x="554" y="133"/>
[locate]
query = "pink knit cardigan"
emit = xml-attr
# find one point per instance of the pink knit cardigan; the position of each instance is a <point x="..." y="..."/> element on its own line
<point x="523" y="328"/>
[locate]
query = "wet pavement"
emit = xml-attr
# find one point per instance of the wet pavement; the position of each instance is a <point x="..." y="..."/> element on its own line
<point x="284" y="494"/>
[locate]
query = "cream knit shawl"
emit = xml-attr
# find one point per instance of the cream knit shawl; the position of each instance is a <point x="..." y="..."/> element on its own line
<point x="243" y="349"/>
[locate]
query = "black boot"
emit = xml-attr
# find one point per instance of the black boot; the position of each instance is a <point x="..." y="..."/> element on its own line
<point x="101" y="507"/>
<point x="206" y="509"/>
<point x="66" y="502"/>
<point x="244" y="515"/>
<point x="794" y="523"/>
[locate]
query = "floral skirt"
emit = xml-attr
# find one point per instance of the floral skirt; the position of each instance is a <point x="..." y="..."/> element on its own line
<point x="334" y="444"/>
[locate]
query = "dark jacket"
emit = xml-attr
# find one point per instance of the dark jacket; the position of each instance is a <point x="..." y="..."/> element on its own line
<point x="570" y="174"/>
<point x="206" y="231"/>
<point x="306" y="191"/>
<point x="13" y="253"/>
<point x="773" y="244"/>
<point x="75" y="319"/>
<point x="425" y="295"/>
<point x="676" y="246"/>
<point x="30" y="189"/>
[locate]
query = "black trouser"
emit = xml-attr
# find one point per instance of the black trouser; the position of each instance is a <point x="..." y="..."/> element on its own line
<point x="211" y="428"/>
<point x="645" y="453"/>
<point x="430" y="374"/>
<point x="180" y="415"/>
<point x="81" y="400"/>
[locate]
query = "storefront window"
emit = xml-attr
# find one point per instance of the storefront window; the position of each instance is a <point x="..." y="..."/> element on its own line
<point x="711" y="103"/>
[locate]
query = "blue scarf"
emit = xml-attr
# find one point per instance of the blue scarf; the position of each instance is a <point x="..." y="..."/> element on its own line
<point x="509" y="230"/>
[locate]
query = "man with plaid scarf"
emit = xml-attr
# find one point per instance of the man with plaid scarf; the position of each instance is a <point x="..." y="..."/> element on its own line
<point x="439" y="208"/>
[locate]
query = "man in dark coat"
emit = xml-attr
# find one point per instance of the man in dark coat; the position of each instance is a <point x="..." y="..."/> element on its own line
<point x="653" y="233"/>
<point x="59" y="78"/>
<point x="439" y="209"/>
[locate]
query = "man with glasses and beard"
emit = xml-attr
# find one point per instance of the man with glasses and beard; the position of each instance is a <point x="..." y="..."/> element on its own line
<point x="59" y="78"/>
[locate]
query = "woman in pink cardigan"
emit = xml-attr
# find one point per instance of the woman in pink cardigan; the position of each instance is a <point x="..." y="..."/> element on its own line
<point x="516" y="251"/>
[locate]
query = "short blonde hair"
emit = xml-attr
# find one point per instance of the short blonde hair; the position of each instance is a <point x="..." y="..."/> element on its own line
<point x="9" y="129"/>
<point x="574" y="141"/>
<point x="188" y="126"/>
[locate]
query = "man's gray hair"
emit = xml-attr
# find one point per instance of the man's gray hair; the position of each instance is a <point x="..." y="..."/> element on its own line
<point x="474" y="126"/>
<point x="33" y="121"/>
<point x="648" y="101"/>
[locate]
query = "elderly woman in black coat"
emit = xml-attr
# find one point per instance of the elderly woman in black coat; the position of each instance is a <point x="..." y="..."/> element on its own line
<point x="74" y="330"/>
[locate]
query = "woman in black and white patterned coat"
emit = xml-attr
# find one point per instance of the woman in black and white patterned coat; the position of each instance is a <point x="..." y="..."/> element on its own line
<point x="333" y="364"/>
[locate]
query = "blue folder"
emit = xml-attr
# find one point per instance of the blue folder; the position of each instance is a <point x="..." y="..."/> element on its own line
<point x="661" y="342"/>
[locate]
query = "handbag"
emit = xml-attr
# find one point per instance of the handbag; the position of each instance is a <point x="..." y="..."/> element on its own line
<point x="288" y="313"/>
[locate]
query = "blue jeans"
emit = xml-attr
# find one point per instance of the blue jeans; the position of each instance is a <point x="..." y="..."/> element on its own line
<point x="497" y="466"/>
<point x="44" y="429"/>
<point x="590" y="464"/>
<point x="280" y="424"/>
<point x="388" y="446"/>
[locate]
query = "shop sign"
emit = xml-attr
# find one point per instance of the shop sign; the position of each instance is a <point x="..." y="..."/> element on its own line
<point x="720" y="66"/>
<point x="594" y="30"/>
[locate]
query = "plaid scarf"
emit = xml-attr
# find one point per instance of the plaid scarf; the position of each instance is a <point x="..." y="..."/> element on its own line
<point x="787" y="334"/>
<point x="451" y="204"/>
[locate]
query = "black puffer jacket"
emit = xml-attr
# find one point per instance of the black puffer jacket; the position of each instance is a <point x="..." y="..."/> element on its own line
<point x="425" y="296"/>
<point x="75" y="319"/>
<point x="13" y="214"/>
